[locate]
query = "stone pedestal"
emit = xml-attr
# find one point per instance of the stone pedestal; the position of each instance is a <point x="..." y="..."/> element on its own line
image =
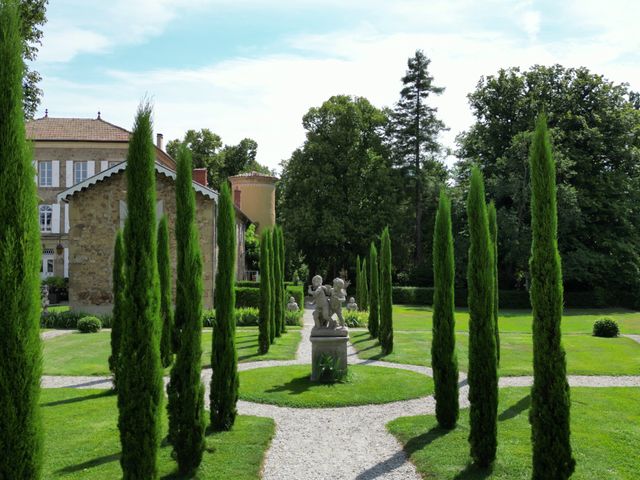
<point x="336" y="346"/>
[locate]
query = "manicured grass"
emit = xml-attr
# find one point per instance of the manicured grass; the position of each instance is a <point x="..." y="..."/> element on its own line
<point x="605" y="429"/>
<point x="574" y="320"/>
<point x="82" y="441"/>
<point x="87" y="354"/>
<point x="586" y="355"/>
<point x="59" y="308"/>
<point x="290" y="386"/>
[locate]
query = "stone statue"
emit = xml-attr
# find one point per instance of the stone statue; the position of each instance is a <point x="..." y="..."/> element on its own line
<point x="338" y="295"/>
<point x="292" y="306"/>
<point x="328" y="301"/>
<point x="44" y="298"/>
<point x="352" y="306"/>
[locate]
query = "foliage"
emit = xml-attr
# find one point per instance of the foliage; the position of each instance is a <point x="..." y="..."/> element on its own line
<point x="329" y="371"/>
<point x="386" y="301"/>
<point x="33" y="16"/>
<point x="415" y="129"/>
<point x="272" y="290"/>
<point x="374" y="293"/>
<point x="341" y="179"/>
<point x="252" y="248"/>
<point x="594" y="128"/>
<point x="293" y="318"/>
<point x="364" y="305"/>
<point x="278" y="281"/>
<point x="89" y="325"/>
<point x="550" y="405"/>
<point x="224" y="359"/>
<point x="185" y="389"/>
<point x="359" y="284"/>
<point x="265" y="295"/>
<point x="493" y="232"/>
<point x="443" y="347"/>
<point x="250" y="296"/>
<point x="119" y="305"/>
<point x="606" y="327"/>
<point x="20" y="346"/>
<point x="283" y="285"/>
<point x="166" y="305"/>
<point x="55" y="282"/>
<point x="483" y="368"/>
<point x="356" y="319"/>
<point x="140" y="387"/>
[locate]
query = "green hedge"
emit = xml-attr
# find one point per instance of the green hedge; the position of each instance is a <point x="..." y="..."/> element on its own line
<point x="248" y="317"/>
<point x="508" y="298"/>
<point x="249" y="297"/>
<point x="68" y="319"/>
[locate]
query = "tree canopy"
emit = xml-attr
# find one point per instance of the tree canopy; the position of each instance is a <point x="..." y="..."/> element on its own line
<point x="33" y="14"/>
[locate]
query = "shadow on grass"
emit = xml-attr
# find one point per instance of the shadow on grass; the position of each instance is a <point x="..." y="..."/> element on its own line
<point x="297" y="386"/>
<point x="473" y="472"/>
<point x="515" y="409"/>
<point x="93" y="396"/>
<point x="421" y="441"/>
<point x="96" y="462"/>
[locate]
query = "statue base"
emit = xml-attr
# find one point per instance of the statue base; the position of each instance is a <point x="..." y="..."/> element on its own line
<point x="334" y="346"/>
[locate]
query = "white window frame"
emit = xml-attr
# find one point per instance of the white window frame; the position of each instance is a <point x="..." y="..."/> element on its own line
<point x="45" y="174"/>
<point x="80" y="172"/>
<point x="45" y="215"/>
<point x="48" y="267"/>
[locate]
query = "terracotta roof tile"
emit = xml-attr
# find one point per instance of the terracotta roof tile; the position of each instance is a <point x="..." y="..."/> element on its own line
<point x="75" y="130"/>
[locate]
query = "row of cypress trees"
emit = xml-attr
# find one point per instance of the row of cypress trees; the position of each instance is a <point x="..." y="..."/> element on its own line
<point x="272" y="289"/>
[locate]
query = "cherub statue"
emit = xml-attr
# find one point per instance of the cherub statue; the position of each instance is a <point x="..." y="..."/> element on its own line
<point x="338" y="295"/>
<point x="292" y="306"/>
<point x="352" y="306"/>
<point x="320" y="294"/>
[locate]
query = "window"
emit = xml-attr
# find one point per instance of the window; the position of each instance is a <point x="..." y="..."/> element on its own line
<point x="46" y="218"/>
<point x="80" y="172"/>
<point x="48" y="263"/>
<point x="45" y="174"/>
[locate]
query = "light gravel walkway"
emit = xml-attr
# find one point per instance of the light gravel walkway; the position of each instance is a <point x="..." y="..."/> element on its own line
<point x="55" y="333"/>
<point x="635" y="338"/>
<point x="342" y="443"/>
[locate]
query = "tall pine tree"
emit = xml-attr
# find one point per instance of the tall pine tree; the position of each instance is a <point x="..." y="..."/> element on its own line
<point x="264" y="336"/>
<point x="443" y="347"/>
<point x="185" y="389"/>
<point x="224" y="358"/>
<point x="166" y="307"/>
<point x="20" y="346"/>
<point x="278" y="283"/>
<point x="118" y="315"/>
<point x="550" y="402"/>
<point x="415" y="133"/>
<point x="272" y="289"/>
<point x="374" y="294"/>
<point x="483" y="368"/>
<point x="140" y="387"/>
<point x="386" y="300"/>
<point x="493" y="231"/>
<point x="283" y="289"/>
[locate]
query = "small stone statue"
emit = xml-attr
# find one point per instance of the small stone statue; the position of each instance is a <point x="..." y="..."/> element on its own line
<point x="321" y="294"/>
<point x="338" y="295"/>
<point x="352" y="306"/>
<point x="292" y="306"/>
<point x="44" y="298"/>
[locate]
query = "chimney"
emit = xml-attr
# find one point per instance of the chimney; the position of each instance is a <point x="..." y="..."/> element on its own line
<point x="200" y="176"/>
<point x="236" y="197"/>
<point x="159" y="141"/>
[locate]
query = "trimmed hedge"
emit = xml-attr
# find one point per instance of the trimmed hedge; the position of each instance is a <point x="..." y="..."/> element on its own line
<point x="69" y="319"/>
<point x="89" y="325"/>
<point x="249" y="297"/>
<point x="293" y="319"/>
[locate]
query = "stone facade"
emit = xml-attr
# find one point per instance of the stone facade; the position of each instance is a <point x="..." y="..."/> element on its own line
<point x="255" y="194"/>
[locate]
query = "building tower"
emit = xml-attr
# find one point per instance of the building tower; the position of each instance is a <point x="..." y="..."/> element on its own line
<point x="255" y="194"/>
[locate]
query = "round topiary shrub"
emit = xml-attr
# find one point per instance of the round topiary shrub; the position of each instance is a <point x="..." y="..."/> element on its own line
<point x="89" y="325"/>
<point x="606" y="327"/>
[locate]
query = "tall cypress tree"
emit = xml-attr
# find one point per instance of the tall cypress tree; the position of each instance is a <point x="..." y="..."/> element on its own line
<point x="166" y="307"/>
<point x="493" y="232"/>
<point x="118" y="316"/>
<point x="20" y="346"/>
<point x="279" y="294"/>
<point x="386" y="301"/>
<point x="365" y="287"/>
<point x="185" y="389"/>
<point x="443" y="347"/>
<point x="282" y="286"/>
<point x="358" y="280"/>
<point x="224" y="358"/>
<point x="374" y="294"/>
<point x="272" y="289"/>
<point x="140" y="387"/>
<point x="264" y="336"/>
<point x="550" y="402"/>
<point x="483" y="368"/>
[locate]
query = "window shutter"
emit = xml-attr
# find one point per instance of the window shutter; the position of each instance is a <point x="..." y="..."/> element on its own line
<point x="55" y="173"/>
<point x="104" y="164"/>
<point x="55" y="218"/>
<point x="35" y="167"/>
<point x="66" y="263"/>
<point x="91" y="169"/>
<point x="69" y="172"/>
<point x="66" y="218"/>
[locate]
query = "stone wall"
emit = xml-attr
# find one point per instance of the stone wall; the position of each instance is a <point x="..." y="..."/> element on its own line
<point x="94" y="219"/>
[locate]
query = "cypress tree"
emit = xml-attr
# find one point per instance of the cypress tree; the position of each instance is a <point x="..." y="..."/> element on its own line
<point x="119" y="300"/>
<point x="493" y="232"/>
<point x="550" y="402"/>
<point x="365" y="287"/>
<point x="166" y="308"/>
<point x="264" y="336"/>
<point x="224" y="358"/>
<point x="374" y="297"/>
<point x="386" y="302"/>
<point x="483" y="369"/>
<point x="20" y="254"/>
<point x="140" y="387"/>
<point x="185" y="389"/>
<point x="443" y="347"/>
<point x="358" y="280"/>
<point x="283" y="288"/>
<point x="279" y="294"/>
<point x="272" y="289"/>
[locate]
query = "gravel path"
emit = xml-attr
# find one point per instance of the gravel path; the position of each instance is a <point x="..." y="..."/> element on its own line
<point x="55" y="333"/>
<point x="635" y="338"/>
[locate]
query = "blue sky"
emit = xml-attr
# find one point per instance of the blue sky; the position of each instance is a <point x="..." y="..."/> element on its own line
<point x="252" y="68"/>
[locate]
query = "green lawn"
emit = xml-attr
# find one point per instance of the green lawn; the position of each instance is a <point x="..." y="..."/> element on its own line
<point x="88" y="353"/>
<point x="605" y="428"/>
<point x="574" y="320"/>
<point x="82" y="441"/>
<point x="290" y="386"/>
<point x="586" y="355"/>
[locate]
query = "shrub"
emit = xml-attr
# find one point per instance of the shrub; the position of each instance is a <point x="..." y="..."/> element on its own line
<point x="329" y="371"/>
<point x="386" y="295"/>
<point x="413" y="295"/>
<point x="293" y="318"/>
<point x="606" y="327"/>
<point x="297" y="293"/>
<point x="89" y="325"/>
<point x="356" y="319"/>
<point x="247" y="317"/>
<point x="247" y="297"/>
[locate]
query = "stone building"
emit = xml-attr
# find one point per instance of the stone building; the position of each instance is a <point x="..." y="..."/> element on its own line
<point x="255" y="194"/>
